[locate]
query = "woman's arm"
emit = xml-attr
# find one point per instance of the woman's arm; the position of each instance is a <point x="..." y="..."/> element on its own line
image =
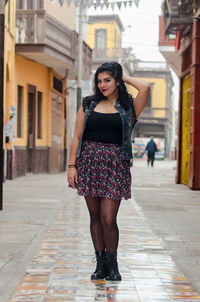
<point x="143" y="92"/>
<point x="72" y="173"/>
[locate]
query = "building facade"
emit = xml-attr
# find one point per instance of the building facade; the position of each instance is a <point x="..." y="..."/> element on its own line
<point x="157" y="117"/>
<point x="43" y="59"/>
<point x="183" y="20"/>
<point x="104" y="36"/>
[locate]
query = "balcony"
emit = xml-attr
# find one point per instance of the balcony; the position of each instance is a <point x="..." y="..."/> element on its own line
<point x="43" y="39"/>
<point x="100" y="56"/>
<point x="167" y="47"/>
<point x="157" y="114"/>
<point x="178" y="15"/>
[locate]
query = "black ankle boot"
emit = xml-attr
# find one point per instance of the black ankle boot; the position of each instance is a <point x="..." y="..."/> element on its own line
<point x="100" y="272"/>
<point x="112" y="267"/>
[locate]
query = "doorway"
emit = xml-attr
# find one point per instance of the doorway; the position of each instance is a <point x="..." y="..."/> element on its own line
<point x="31" y="127"/>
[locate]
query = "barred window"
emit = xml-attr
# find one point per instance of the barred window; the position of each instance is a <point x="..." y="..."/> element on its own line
<point x="40" y="4"/>
<point x="57" y="85"/>
<point x="100" y="39"/>
<point x="19" y="110"/>
<point x="30" y="4"/>
<point x="39" y="114"/>
<point x="19" y="4"/>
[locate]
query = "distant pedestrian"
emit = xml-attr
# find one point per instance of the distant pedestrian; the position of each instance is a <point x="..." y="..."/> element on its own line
<point x="151" y="148"/>
<point x="100" y="153"/>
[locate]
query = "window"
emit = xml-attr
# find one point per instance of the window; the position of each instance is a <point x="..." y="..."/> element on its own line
<point x="19" y="4"/>
<point x="100" y="39"/>
<point x="40" y="4"/>
<point x="30" y="4"/>
<point x="39" y="114"/>
<point x="57" y="85"/>
<point x="148" y="104"/>
<point x="19" y="110"/>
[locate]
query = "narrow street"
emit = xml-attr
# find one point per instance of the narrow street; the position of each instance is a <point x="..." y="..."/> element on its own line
<point x="46" y="250"/>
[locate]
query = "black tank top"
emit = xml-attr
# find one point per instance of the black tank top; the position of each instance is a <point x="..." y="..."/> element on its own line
<point x="104" y="128"/>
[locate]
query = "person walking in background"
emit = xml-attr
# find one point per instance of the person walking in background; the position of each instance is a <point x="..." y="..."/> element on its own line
<point x="151" y="148"/>
<point x="99" y="161"/>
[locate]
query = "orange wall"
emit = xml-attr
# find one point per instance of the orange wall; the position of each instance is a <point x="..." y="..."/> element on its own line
<point x="29" y="72"/>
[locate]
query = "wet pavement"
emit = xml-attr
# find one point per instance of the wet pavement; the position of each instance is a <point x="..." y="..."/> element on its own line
<point x="60" y="270"/>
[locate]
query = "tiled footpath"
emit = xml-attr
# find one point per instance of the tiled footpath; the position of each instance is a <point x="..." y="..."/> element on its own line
<point x="61" y="269"/>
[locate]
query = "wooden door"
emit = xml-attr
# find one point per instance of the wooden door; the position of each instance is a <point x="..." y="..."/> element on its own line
<point x="31" y="127"/>
<point x="185" y="151"/>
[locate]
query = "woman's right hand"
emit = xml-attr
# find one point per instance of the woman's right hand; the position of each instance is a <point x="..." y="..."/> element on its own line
<point x="72" y="177"/>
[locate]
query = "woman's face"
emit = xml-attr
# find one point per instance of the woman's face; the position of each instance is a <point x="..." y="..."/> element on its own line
<point x="107" y="84"/>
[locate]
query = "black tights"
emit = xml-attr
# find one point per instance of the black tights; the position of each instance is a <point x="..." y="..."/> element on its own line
<point x="103" y="223"/>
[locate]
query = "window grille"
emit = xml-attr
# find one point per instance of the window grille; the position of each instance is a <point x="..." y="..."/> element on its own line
<point x="19" y="110"/>
<point x="39" y="114"/>
<point x="57" y="85"/>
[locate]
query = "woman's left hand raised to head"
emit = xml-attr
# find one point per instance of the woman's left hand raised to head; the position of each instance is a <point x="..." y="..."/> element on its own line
<point x="143" y="92"/>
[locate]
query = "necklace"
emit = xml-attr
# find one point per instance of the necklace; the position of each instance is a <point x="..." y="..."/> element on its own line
<point x="112" y="103"/>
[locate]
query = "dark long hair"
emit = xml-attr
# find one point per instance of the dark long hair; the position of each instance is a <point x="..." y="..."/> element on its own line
<point x="114" y="69"/>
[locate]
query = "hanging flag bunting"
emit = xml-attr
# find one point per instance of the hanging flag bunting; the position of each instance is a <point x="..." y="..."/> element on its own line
<point x="99" y="3"/>
<point x="119" y="4"/>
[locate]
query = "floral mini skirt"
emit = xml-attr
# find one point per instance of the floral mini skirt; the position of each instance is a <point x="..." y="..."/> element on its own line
<point x="102" y="171"/>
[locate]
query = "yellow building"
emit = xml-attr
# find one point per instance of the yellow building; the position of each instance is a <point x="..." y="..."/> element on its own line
<point x="157" y="118"/>
<point x="40" y="56"/>
<point x="9" y="79"/>
<point x="104" y="36"/>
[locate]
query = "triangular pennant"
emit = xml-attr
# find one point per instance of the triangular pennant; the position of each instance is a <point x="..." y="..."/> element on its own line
<point x="119" y="4"/>
<point x="76" y="2"/>
<point x="112" y="4"/>
<point x="61" y="2"/>
<point x="98" y="2"/>
<point x="102" y="5"/>
<point x="125" y="3"/>
<point x="90" y="3"/>
<point x="68" y="2"/>
<point x="130" y="3"/>
<point x="136" y="2"/>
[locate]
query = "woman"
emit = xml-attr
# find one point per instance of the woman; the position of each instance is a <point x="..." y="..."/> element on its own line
<point x="100" y="153"/>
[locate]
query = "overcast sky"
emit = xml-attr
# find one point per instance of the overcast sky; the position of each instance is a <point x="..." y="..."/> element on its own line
<point x="141" y="27"/>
